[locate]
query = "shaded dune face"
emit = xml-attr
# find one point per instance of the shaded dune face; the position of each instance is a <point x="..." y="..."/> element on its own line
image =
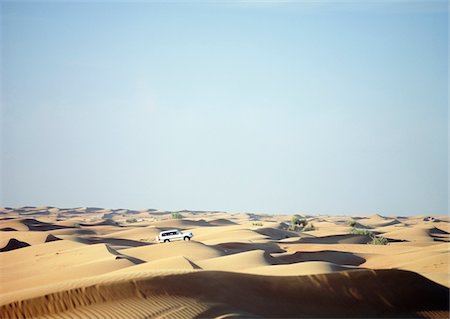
<point x="276" y="234"/>
<point x="36" y="225"/>
<point x="112" y="241"/>
<point x="337" y="239"/>
<point x="337" y="257"/>
<point x="192" y="250"/>
<point x="439" y="235"/>
<point x="237" y="247"/>
<point x="14" y="244"/>
<point x="353" y="294"/>
<point x="50" y="238"/>
<point x="221" y="222"/>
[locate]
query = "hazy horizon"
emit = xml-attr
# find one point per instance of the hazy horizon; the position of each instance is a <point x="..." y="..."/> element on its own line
<point x="245" y="106"/>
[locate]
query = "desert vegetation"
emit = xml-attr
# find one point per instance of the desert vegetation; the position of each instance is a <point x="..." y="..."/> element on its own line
<point x="378" y="240"/>
<point x="375" y="240"/>
<point x="362" y="232"/>
<point x="298" y="222"/>
<point x="176" y="215"/>
<point x="351" y="223"/>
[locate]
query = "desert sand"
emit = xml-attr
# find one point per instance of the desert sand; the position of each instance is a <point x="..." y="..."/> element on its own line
<point x="105" y="263"/>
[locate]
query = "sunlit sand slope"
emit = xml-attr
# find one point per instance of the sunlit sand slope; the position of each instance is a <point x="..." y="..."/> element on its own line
<point x="363" y="293"/>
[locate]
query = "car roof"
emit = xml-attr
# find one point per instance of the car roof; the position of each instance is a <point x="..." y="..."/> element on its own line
<point x="170" y="230"/>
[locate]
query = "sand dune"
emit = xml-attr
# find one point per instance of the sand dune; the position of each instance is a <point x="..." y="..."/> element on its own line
<point x="295" y="269"/>
<point x="438" y="234"/>
<point x="379" y="221"/>
<point x="336" y="239"/>
<point x="221" y="222"/>
<point x="275" y="234"/>
<point x="24" y="254"/>
<point x="226" y="234"/>
<point x="437" y="263"/>
<point x="14" y="243"/>
<point x="76" y="231"/>
<point x="141" y="233"/>
<point x="12" y="224"/>
<point x="192" y="250"/>
<point x="390" y="249"/>
<point x="214" y="294"/>
<point x="444" y="226"/>
<point x="171" y="263"/>
<point x="236" y="247"/>
<point x="116" y="243"/>
<point x="419" y="234"/>
<point x="30" y="237"/>
<point x="55" y="261"/>
<point x="95" y="262"/>
<point x="363" y="226"/>
<point x="210" y="232"/>
<point x="240" y="261"/>
<point x="336" y="257"/>
<point x="387" y="229"/>
<point x="432" y="263"/>
<point x="325" y="224"/>
<point x="180" y="224"/>
<point x="38" y="225"/>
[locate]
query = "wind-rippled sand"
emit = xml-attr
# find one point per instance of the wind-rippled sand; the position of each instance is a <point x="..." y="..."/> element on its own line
<point x="103" y="263"/>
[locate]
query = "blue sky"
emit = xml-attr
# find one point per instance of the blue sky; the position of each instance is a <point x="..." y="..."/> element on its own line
<point x="327" y="107"/>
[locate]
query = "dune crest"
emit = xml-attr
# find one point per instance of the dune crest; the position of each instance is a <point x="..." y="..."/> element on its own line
<point x="213" y="294"/>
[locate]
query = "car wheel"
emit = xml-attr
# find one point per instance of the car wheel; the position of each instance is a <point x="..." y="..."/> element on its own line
<point x="166" y="240"/>
<point x="187" y="238"/>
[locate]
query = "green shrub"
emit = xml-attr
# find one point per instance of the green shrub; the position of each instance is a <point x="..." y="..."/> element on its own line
<point x="132" y="220"/>
<point x="297" y="220"/>
<point x="351" y="223"/>
<point x="176" y="215"/>
<point x="375" y="240"/>
<point x="363" y="232"/>
<point x="378" y="240"/>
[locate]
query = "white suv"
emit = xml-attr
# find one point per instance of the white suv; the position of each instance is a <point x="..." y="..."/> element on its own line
<point x="172" y="235"/>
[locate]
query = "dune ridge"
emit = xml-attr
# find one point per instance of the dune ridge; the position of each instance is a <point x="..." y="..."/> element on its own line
<point x="364" y="293"/>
